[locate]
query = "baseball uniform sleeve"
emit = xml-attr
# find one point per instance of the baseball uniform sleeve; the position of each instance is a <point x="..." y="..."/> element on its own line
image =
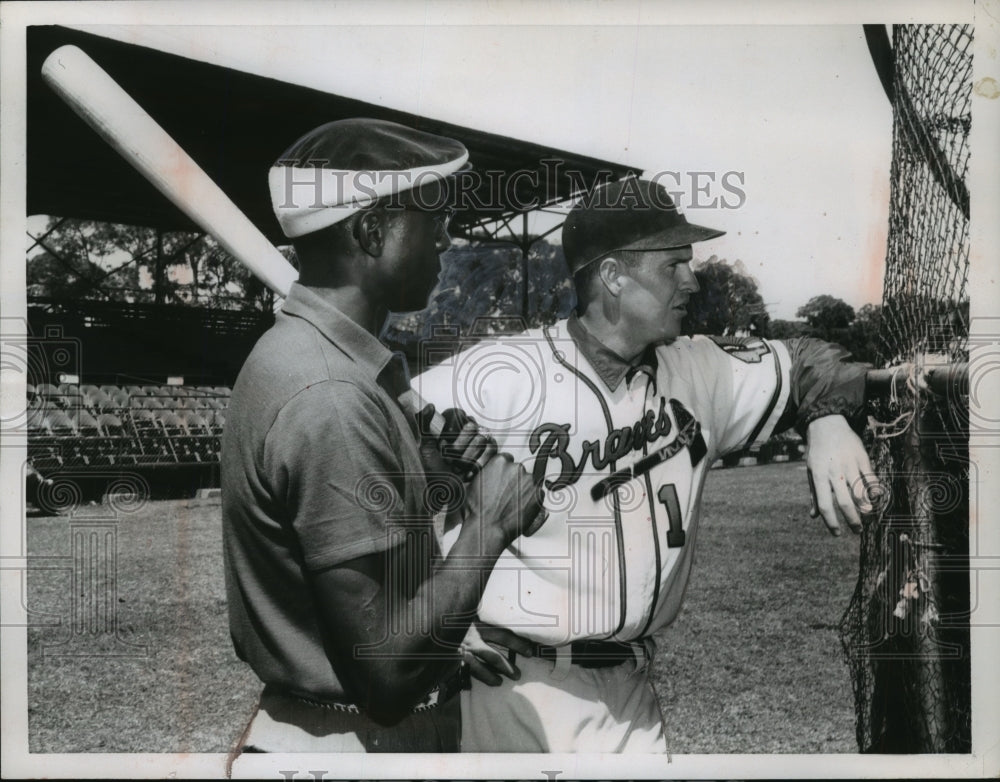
<point x="330" y="457"/>
<point x="748" y="380"/>
<point x="764" y="386"/>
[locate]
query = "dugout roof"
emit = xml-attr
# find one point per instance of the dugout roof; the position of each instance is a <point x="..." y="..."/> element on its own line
<point x="235" y="125"/>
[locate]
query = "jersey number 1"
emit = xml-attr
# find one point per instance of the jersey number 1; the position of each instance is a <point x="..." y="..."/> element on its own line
<point x="668" y="496"/>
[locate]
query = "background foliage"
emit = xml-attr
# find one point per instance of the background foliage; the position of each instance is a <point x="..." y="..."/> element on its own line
<point x="484" y="289"/>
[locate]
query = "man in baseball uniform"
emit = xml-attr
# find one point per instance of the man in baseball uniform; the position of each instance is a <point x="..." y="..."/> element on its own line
<point x="338" y="598"/>
<point x="620" y="419"/>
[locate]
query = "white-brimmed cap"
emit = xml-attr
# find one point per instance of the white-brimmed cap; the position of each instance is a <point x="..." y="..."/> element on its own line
<point x="346" y="165"/>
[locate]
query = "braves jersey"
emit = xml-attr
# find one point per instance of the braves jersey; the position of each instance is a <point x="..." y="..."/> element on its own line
<point x="622" y="469"/>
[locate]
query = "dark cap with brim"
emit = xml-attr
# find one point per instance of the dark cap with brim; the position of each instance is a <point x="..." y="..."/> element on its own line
<point x="631" y="214"/>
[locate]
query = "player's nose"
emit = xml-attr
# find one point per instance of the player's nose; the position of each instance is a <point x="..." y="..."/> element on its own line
<point x="689" y="281"/>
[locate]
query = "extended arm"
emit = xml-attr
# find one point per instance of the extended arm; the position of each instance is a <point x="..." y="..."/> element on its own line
<point x="828" y="391"/>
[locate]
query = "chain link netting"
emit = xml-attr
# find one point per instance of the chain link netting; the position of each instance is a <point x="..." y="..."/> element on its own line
<point x="905" y="633"/>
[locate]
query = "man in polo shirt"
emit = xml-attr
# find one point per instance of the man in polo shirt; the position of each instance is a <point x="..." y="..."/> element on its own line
<point x="338" y="598"/>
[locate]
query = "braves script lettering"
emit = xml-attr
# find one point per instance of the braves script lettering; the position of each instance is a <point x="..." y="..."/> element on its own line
<point x="552" y="441"/>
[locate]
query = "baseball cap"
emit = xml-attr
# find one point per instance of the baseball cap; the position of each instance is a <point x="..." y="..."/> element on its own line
<point x="343" y="166"/>
<point x="630" y="214"/>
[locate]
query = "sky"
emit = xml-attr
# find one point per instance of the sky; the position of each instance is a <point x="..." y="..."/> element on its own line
<point x="787" y="124"/>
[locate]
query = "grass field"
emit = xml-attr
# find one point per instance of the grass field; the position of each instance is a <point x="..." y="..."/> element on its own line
<point x="751" y="665"/>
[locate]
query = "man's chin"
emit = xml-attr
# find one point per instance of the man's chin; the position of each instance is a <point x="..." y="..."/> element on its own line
<point x="669" y="336"/>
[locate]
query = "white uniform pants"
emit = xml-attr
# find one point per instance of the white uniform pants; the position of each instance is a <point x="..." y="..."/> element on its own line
<point x="561" y="707"/>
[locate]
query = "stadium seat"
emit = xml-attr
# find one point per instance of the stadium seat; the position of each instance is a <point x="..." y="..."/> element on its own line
<point x="172" y="433"/>
<point x="149" y="443"/>
<point x="87" y="424"/>
<point x="112" y="446"/>
<point x="171" y="423"/>
<point x="64" y="401"/>
<point x="223" y="391"/>
<point x="143" y="419"/>
<point x="60" y="424"/>
<point x="111" y="425"/>
<point x="97" y="400"/>
<point x="87" y="445"/>
<point x="150" y="403"/>
<point x="139" y="413"/>
<point x="47" y="389"/>
<point x="69" y="389"/>
<point x="188" y="447"/>
<point x="194" y="421"/>
<point x="218" y="421"/>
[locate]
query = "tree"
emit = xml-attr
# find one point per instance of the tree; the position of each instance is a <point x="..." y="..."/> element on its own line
<point x="76" y="259"/>
<point x="788" y="329"/>
<point x="728" y="301"/>
<point x="86" y="259"/>
<point x="481" y="292"/>
<point x="826" y="314"/>
<point x="863" y="334"/>
<point x="833" y="320"/>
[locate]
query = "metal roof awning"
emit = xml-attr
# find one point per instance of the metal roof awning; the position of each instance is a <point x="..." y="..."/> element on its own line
<point x="235" y="125"/>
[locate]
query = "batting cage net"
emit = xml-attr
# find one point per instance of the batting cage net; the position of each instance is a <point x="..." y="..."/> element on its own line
<point x="905" y="633"/>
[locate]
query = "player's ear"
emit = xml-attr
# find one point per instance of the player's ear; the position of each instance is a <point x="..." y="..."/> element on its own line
<point x="610" y="274"/>
<point x="369" y="231"/>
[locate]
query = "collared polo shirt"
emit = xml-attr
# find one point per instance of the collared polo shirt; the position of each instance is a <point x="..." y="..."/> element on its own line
<point x="320" y="465"/>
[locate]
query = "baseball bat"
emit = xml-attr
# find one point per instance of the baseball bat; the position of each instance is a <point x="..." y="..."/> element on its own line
<point x="118" y="119"/>
<point x="101" y="102"/>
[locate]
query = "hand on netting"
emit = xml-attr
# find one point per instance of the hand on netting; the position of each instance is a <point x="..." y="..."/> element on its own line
<point x="840" y="474"/>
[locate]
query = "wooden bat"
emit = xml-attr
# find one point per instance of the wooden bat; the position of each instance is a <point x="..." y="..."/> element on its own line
<point x="136" y="136"/>
<point x="117" y="118"/>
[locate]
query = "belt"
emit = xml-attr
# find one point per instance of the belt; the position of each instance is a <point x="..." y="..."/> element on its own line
<point x="445" y="691"/>
<point x="596" y="654"/>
